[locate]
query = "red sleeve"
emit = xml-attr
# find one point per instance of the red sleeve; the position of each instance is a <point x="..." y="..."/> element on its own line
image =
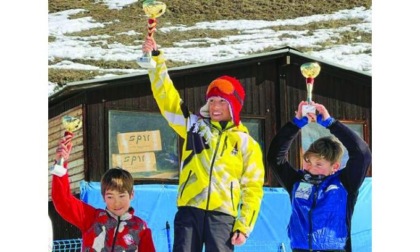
<point x="69" y="207"/>
<point x="146" y="241"/>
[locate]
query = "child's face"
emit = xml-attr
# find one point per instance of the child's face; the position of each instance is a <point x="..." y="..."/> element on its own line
<point x="219" y="109"/>
<point x="116" y="202"/>
<point x="320" y="166"/>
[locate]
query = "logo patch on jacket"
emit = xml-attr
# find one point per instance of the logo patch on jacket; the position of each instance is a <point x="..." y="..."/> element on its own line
<point x="303" y="191"/>
<point x="128" y="239"/>
<point x="235" y="150"/>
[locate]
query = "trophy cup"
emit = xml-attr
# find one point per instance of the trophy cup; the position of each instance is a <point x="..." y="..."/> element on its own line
<point x="153" y="9"/>
<point x="309" y="71"/>
<point x="70" y="125"/>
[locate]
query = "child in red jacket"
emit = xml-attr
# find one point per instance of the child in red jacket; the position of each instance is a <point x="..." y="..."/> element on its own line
<point x="113" y="229"/>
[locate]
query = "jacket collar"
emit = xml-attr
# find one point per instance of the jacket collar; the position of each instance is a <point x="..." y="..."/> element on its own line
<point x="126" y="216"/>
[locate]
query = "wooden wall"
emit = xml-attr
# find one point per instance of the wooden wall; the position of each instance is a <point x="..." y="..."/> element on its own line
<point x="76" y="160"/>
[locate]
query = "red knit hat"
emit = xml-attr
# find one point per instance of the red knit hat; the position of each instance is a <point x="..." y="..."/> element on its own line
<point x="229" y="89"/>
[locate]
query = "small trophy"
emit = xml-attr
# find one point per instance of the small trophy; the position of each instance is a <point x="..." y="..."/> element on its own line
<point x="153" y="9"/>
<point x="70" y="125"/>
<point x="309" y="71"/>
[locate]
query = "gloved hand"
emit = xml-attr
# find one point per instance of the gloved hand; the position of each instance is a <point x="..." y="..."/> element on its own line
<point x="327" y="122"/>
<point x="300" y="122"/>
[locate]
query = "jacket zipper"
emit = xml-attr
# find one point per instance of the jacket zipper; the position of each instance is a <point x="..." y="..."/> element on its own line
<point x="211" y="169"/>
<point x="315" y="196"/>
<point x="115" y="234"/>
<point x="224" y="147"/>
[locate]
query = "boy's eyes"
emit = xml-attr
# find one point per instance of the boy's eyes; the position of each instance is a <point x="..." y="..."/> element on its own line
<point x="123" y="195"/>
<point x="219" y="100"/>
<point x="309" y="162"/>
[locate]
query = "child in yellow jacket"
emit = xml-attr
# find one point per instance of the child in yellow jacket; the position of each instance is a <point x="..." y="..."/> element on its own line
<point x="222" y="170"/>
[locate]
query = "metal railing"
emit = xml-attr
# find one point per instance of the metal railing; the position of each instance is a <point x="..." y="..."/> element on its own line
<point x="71" y="245"/>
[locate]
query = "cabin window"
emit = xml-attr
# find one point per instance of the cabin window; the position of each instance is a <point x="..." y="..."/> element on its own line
<point x="313" y="131"/>
<point x="255" y="130"/>
<point x="144" y="144"/>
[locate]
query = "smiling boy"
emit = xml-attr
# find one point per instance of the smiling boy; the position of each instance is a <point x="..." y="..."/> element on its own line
<point x="115" y="228"/>
<point x="222" y="171"/>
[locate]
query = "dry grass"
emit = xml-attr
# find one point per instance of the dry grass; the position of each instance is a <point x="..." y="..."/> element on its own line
<point x="191" y="12"/>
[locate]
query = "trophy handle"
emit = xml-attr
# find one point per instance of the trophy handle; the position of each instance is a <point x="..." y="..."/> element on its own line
<point x="61" y="161"/>
<point x="146" y="61"/>
<point x="153" y="10"/>
<point x="151" y="25"/>
<point x="309" y="88"/>
<point x="70" y="125"/>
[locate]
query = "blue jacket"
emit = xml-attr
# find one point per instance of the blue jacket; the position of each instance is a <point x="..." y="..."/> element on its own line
<point x="320" y="211"/>
<point x="321" y="214"/>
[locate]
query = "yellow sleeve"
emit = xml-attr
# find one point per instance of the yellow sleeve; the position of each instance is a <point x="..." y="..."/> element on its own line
<point x="166" y="96"/>
<point x="252" y="182"/>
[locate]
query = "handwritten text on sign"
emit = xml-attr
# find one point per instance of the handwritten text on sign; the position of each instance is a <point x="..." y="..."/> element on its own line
<point x="140" y="141"/>
<point x="135" y="162"/>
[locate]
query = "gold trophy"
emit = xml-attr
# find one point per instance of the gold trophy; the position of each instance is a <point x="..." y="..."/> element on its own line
<point x="70" y="125"/>
<point x="309" y="71"/>
<point x="153" y="9"/>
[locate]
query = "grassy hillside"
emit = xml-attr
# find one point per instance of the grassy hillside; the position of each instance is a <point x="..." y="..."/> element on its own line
<point x="190" y="12"/>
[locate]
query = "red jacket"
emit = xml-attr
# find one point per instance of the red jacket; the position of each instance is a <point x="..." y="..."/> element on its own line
<point x="98" y="225"/>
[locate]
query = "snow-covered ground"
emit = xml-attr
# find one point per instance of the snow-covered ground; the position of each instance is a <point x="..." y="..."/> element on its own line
<point x="253" y="36"/>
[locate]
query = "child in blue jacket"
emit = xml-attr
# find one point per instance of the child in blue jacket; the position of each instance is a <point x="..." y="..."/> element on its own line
<point x="322" y="196"/>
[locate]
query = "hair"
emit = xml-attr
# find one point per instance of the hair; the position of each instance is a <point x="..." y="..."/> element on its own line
<point x="328" y="148"/>
<point x="117" y="179"/>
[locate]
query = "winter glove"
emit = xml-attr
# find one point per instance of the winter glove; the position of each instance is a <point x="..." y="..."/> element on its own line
<point x="300" y="122"/>
<point x="326" y="123"/>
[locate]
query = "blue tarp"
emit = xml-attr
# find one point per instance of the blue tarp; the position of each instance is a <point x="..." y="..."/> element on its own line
<point x="156" y="204"/>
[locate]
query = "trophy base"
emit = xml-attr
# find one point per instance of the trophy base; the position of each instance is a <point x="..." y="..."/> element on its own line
<point x="146" y="62"/>
<point x="308" y="109"/>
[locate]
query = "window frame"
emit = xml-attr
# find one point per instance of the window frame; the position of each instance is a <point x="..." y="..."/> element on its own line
<point x="358" y="126"/>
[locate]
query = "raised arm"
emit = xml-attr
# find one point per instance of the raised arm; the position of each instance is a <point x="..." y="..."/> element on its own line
<point x="360" y="156"/>
<point x="164" y="91"/>
<point x="279" y="148"/>
<point x="69" y="207"/>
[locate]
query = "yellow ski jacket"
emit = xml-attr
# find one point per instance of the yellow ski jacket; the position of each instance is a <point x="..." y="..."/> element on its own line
<point x="221" y="169"/>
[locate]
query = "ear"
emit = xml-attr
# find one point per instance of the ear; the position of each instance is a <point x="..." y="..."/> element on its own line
<point x="132" y="195"/>
<point x="336" y="166"/>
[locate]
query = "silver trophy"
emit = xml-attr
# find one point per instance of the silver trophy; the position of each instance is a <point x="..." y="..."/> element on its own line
<point x="153" y="9"/>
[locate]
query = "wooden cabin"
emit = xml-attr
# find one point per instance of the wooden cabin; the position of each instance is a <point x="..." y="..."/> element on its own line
<point x="115" y="111"/>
